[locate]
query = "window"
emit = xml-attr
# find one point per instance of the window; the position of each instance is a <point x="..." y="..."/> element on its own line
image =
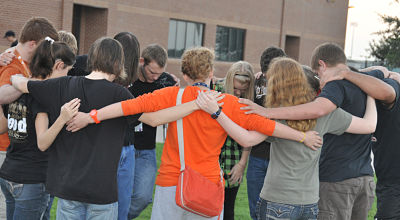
<point x="183" y="35"/>
<point x="229" y="44"/>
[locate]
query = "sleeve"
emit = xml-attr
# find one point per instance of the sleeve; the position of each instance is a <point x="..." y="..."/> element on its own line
<point x="376" y="73"/>
<point x="45" y="92"/>
<point x="338" y="122"/>
<point x="334" y="92"/>
<point x="151" y="102"/>
<point x="124" y="94"/>
<point x="250" y="122"/>
<point x="396" y="87"/>
<point x="5" y="76"/>
<point x="37" y="108"/>
<point x="165" y="80"/>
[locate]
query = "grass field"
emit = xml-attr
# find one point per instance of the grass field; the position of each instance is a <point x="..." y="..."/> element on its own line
<point x="241" y="205"/>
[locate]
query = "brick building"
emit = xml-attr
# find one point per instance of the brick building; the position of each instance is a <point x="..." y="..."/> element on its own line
<point x="236" y="29"/>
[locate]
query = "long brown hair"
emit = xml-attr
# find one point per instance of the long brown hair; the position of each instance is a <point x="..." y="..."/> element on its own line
<point x="288" y="86"/>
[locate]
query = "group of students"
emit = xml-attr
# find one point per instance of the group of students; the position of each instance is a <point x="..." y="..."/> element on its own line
<point x="75" y="137"/>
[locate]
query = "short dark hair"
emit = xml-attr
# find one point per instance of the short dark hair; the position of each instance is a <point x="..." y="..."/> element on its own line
<point x="46" y="55"/>
<point x="155" y="52"/>
<point x="9" y="33"/>
<point x="106" y="55"/>
<point x="131" y="47"/>
<point x="268" y="55"/>
<point x="36" y="29"/>
<point x="331" y="53"/>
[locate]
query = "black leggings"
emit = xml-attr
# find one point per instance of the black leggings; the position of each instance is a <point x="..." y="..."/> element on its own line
<point x="229" y="203"/>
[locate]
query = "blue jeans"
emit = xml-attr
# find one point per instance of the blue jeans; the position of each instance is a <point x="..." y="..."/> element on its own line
<point x="24" y="201"/>
<point x="125" y="181"/>
<point x="271" y="210"/>
<point x="74" y="210"/>
<point x="145" y="166"/>
<point x="256" y="172"/>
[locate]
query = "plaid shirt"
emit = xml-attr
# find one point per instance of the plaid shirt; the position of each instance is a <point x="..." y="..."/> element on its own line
<point x="231" y="151"/>
<point x="230" y="155"/>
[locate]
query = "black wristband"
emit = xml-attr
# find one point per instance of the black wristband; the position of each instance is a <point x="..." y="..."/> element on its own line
<point x="216" y="114"/>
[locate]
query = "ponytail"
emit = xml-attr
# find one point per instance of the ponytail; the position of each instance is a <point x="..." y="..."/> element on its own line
<point x="46" y="55"/>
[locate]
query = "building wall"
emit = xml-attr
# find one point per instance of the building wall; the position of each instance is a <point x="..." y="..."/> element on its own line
<point x="313" y="21"/>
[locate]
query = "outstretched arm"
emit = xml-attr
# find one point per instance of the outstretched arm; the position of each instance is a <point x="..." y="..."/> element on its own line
<point x="46" y="135"/>
<point x="367" y="124"/>
<point x="154" y="119"/>
<point x="374" y="87"/>
<point x="174" y="113"/>
<point x="250" y="138"/>
<point x="319" y="107"/>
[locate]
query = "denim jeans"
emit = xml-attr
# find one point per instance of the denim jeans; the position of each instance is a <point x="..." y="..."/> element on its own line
<point x="145" y="166"/>
<point x="256" y="172"/>
<point x="24" y="201"/>
<point x="125" y="181"/>
<point x="271" y="210"/>
<point x="74" y="210"/>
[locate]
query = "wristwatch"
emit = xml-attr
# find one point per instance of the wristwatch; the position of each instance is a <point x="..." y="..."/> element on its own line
<point x="93" y="115"/>
<point x="216" y="114"/>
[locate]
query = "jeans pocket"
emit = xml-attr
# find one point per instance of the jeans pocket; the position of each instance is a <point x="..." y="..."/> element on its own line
<point x="325" y="215"/>
<point x="276" y="210"/>
<point x="15" y="188"/>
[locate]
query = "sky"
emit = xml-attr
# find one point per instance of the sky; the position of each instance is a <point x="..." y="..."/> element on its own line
<point x="362" y="21"/>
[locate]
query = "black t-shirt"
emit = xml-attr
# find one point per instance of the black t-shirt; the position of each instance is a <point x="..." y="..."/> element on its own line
<point x="80" y="66"/>
<point x="261" y="150"/>
<point x="348" y="155"/>
<point x="145" y="135"/>
<point x="386" y="148"/>
<point x="83" y="165"/>
<point x="13" y="44"/>
<point x="24" y="162"/>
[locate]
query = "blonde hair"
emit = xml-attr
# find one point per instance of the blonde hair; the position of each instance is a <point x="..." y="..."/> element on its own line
<point x="241" y="71"/>
<point x="288" y="86"/>
<point x="69" y="39"/>
<point x="197" y="63"/>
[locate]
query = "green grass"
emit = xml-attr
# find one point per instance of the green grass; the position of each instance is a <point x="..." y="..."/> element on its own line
<point x="241" y="205"/>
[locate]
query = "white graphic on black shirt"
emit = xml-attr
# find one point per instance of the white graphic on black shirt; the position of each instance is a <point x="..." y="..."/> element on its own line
<point x="17" y="126"/>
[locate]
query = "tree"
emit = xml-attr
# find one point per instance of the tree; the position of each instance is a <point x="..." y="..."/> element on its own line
<point x="387" y="48"/>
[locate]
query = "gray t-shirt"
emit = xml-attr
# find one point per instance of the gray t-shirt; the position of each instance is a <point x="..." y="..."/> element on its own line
<point x="292" y="176"/>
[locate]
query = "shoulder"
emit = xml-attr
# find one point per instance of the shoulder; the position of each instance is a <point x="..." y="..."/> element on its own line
<point x="165" y="80"/>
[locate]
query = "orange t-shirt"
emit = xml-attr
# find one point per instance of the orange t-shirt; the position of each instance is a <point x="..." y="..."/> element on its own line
<point x="203" y="136"/>
<point x="15" y="67"/>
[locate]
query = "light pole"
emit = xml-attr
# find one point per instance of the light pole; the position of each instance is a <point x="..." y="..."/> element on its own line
<point x="354" y="25"/>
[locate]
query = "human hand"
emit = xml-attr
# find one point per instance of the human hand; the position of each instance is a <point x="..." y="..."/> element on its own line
<point x="258" y="75"/>
<point x="79" y="121"/>
<point x="253" y="108"/>
<point x="332" y="73"/>
<point x="236" y="174"/>
<point x="395" y="76"/>
<point x="312" y="140"/>
<point x="6" y="57"/>
<point x="384" y="70"/>
<point x="177" y="80"/>
<point x="70" y="109"/>
<point x="208" y="101"/>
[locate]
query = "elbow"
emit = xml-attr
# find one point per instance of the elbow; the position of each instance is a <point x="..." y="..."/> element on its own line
<point x="42" y="147"/>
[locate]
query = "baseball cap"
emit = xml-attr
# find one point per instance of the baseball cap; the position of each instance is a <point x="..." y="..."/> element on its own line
<point x="9" y="34"/>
